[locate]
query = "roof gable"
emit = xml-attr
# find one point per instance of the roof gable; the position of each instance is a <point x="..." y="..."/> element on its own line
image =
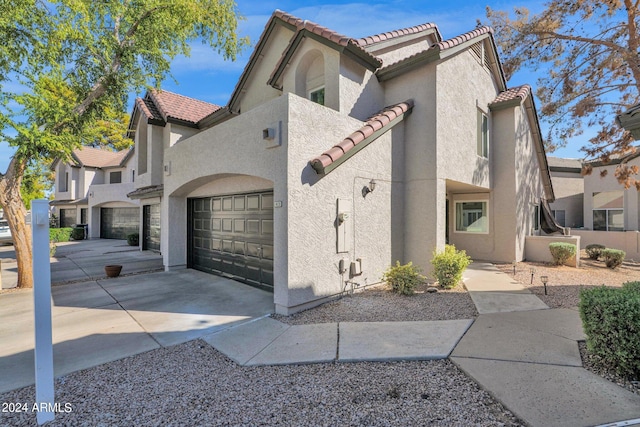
<point x="448" y="48"/>
<point x="99" y="158"/>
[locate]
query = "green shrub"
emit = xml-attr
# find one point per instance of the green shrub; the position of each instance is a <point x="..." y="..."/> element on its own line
<point x="594" y="250"/>
<point x="561" y="252"/>
<point x="613" y="257"/>
<point x="403" y="278"/>
<point x="631" y="287"/>
<point x="77" y="233"/>
<point x="611" y="322"/>
<point x="449" y="265"/>
<point x="57" y="235"/>
<point x="52" y="249"/>
<point x="133" y="239"/>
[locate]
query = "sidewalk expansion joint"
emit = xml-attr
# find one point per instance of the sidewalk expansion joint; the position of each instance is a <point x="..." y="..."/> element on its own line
<point x="338" y="341"/>
<point x="527" y="362"/>
<point x="270" y="342"/>
<point x="129" y="314"/>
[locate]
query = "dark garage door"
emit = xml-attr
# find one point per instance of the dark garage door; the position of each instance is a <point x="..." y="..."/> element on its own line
<point x="151" y="227"/>
<point x="232" y="235"/>
<point x="116" y="223"/>
<point x="68" y="217"/>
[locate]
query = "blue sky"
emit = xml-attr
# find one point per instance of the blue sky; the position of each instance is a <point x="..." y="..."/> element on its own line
<point x="206" y="76"/>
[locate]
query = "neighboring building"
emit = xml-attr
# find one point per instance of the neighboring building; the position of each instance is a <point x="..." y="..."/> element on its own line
<point x="608" y="206"/>
<point x="568" y="187"/>
<point x="159" y="120"/>
<point x="630" y="120"/>
<point x="91" y="188"/>
<point x="335" y="157"/>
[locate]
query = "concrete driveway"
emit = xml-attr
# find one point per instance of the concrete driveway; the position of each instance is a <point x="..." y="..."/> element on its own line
<point x="83" y="260"/>
<point x="97" y="321"/>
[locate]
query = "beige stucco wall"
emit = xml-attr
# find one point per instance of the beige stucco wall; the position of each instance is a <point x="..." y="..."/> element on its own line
<point x="209" y="162"/>
<point x="537" y="248"/>
<point x="628" y="241"/>
<point x="361" y="95"/>
<point x="375" y="219"/>
<point x="424" y="193"/>
<point x="568" y="188"/>
<point x="595" y="183"/>
<point x="306" y="260"/>
<point x="257" y="91"/>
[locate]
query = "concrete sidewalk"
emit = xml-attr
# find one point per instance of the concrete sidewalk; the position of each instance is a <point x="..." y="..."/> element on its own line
<point x="269" y="342"/>
<point x="528" y="358"/>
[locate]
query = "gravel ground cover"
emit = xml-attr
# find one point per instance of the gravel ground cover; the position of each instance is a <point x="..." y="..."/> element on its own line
<point x="194" y="385"/>
<point x="563" y="291"/>
<point x="379" y="304"/>
<point x="565" y="283"/>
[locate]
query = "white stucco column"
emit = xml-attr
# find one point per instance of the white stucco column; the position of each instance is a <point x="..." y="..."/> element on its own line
<point x="174" y="232"/>
<point x="425" y="220"/>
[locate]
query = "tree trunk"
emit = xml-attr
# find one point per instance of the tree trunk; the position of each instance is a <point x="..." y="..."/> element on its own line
<point x="15" y="213"/>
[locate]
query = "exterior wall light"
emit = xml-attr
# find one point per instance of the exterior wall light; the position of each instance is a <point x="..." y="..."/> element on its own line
<point x="369" y="189"/>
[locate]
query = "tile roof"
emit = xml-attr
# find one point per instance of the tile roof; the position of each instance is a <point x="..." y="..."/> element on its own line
<point x="99" y="158"/>
<point x="462" y="38"/>
<point x="519" y="92"/>
<point x="313" y="27"/>
<point x="374" y="124"/>
<point x="179" y="107"/>
<point x="377" y="38"/>
<point x="563" y="163"/>
<point x="439" y="47"/>
<point x="349" y="44"/>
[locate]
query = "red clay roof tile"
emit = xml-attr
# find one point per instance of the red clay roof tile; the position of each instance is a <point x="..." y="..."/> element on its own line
<point x="377" y="38"/>
<point x="172" y="105"/>
<point x="382" y="119"/>
<point x="99" y="158"/>
<point x="518" y="92"/>
<point x="446" y="44"/>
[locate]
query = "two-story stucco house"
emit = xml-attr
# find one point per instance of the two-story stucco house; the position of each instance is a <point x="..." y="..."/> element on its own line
<point x="91" y="188"/>
<point x="337" y="156"/>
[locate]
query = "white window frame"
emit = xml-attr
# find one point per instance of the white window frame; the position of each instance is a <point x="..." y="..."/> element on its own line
<point x="455" y="216"/>
<point x="483" y="137"/>
<point x="317" y="89"/>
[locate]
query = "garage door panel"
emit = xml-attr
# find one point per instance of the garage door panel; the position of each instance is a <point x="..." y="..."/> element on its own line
<point x="117" y="223"/>
<point x="238" y="231"/>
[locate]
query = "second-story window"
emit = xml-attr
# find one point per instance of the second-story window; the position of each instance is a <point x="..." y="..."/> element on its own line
<point x="483" y="135"/>
<point x="317" y="95"/>
<point x="63" y="182"/>
<point x="115" y="177"/>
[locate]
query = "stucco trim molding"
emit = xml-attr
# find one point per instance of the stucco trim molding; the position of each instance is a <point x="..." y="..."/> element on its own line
<point x="375" y="127"/>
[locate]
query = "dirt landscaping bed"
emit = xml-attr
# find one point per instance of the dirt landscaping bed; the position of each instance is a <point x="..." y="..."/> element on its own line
<point x="565" y="283"/>
<point x="380" y="304"/>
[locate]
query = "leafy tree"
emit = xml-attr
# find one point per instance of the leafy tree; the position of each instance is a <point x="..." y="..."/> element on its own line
<point x="67" y="67"/>
<point x="36" y="183"/>
<point x="587" y="52"/>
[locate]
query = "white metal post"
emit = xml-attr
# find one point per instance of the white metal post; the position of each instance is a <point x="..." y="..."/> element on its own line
<point x="42" y="310"/>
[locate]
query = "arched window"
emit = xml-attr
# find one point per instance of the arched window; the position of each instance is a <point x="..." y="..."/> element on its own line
<point x="310" y="81"/>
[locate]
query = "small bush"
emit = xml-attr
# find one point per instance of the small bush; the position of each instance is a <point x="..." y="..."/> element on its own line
<point x="611" y="322"/>
<point x="631" y="287"/>
<point x="613" y="257"/>
<point x="52" y="249"/>
<point x="561" y="252"/>
<point x="594" y="250"/>
<point x="77" y="233"/>
<point x="403" y="278"/>
<point x="133" y="239"/>
<point x="57" y="235"/>
<point x="449" y="265"/>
